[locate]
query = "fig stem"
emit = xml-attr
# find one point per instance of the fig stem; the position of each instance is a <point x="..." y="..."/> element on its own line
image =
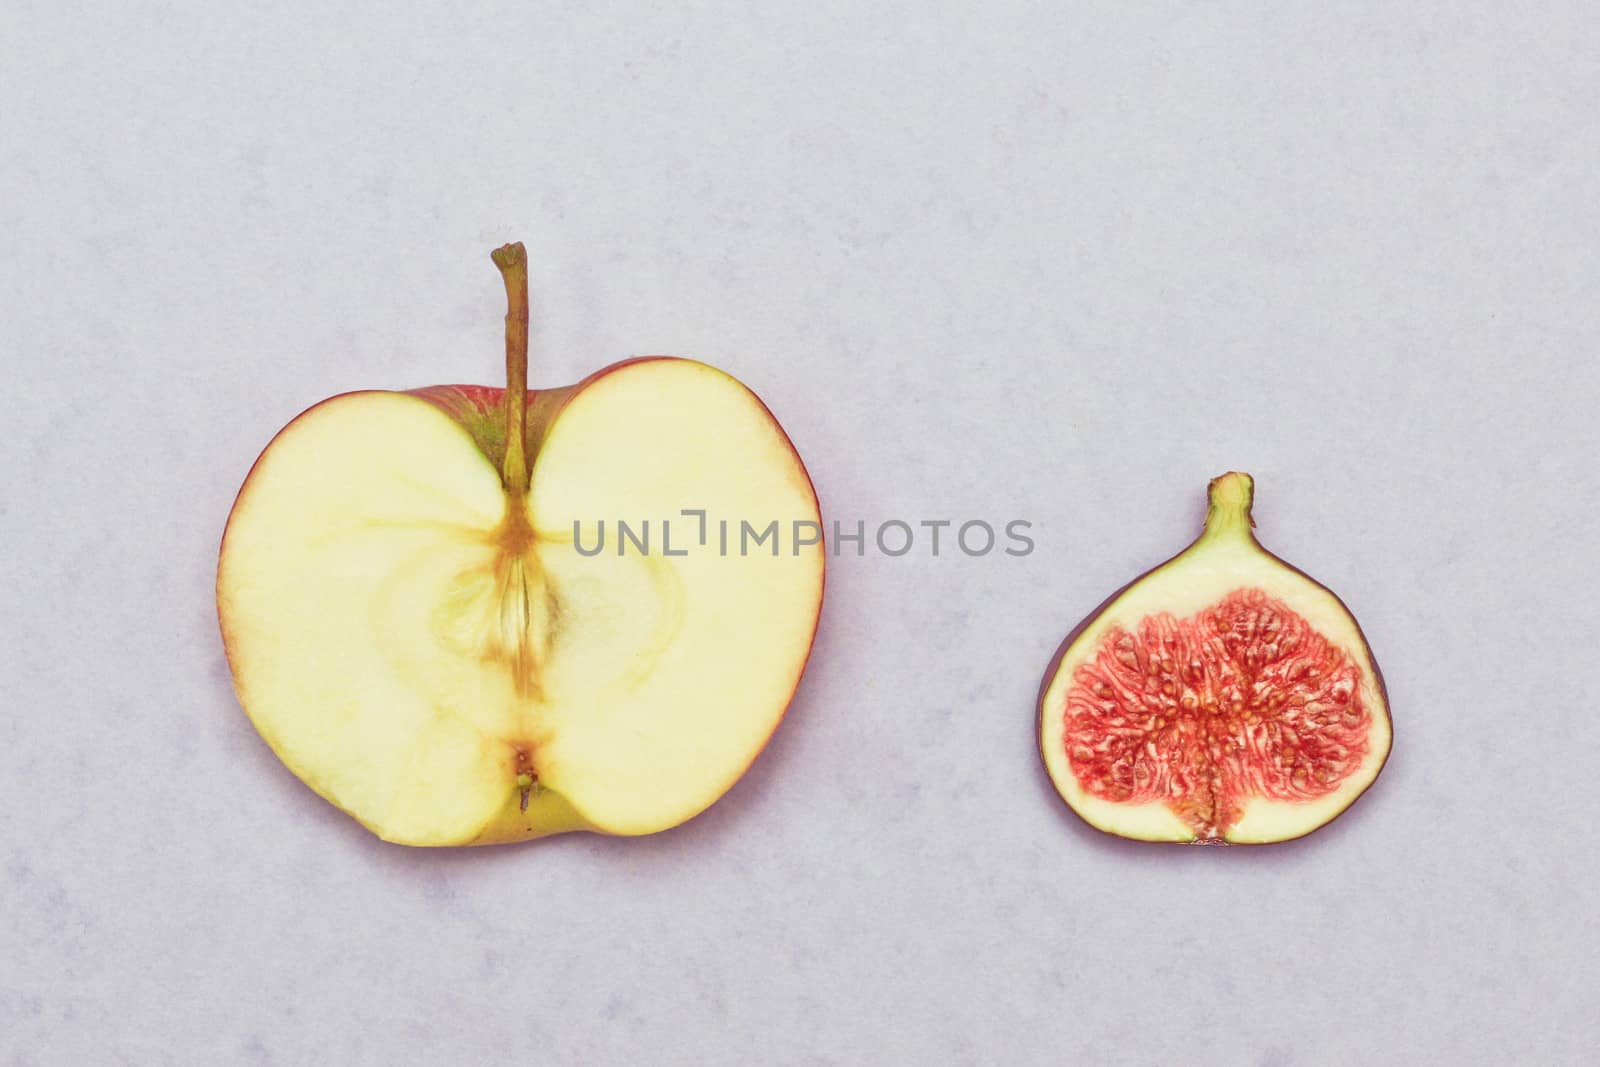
<point x="1230" y="497"/>
<point x="512" y="259"/>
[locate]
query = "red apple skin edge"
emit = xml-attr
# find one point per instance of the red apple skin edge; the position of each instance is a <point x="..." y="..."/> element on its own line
<point x="1077" y="631"/>
<point x="489" y="398"/>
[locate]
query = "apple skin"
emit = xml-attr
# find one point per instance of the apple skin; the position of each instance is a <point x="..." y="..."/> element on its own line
<point x="1088" y="620"/>
<point x="479" y="410"/>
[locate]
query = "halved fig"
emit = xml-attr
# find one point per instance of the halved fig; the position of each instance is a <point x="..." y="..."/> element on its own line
<point x="1222" y="697"/>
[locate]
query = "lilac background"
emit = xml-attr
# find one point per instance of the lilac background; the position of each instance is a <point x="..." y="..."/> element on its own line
<point x="1061" y="262"/>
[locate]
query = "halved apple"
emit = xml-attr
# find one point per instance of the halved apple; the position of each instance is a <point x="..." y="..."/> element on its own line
<point x="419" y="625"/>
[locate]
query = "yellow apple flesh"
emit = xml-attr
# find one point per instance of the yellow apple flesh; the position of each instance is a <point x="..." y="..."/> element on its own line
<point x="427" y="648"/>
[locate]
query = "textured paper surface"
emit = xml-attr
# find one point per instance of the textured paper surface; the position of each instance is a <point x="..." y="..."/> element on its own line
<point x="1055" y="262"/>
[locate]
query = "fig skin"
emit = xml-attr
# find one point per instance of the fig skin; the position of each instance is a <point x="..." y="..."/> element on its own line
<point x="1067" y="643"/>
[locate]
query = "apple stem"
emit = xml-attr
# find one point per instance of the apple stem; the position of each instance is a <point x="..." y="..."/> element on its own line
<point x="512" y="259"/>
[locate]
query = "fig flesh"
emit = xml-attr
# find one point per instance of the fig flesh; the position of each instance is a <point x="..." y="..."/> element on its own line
<point x="1223" y="697"/>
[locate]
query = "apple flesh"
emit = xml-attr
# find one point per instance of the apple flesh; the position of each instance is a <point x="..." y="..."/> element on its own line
<point x="413" y="630"/>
